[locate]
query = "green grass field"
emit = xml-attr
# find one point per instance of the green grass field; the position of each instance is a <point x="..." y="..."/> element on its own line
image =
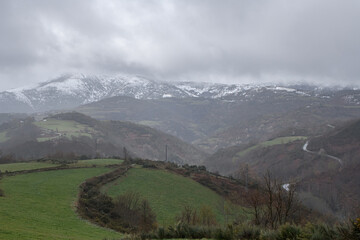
<point x="276" y="141"/>
<point x="167" y="192"/>
<point x="150" y="123"/>
<point x="40" y="206"/>
<point x="60" y="125"/>
<point x="44" y="139"/>
<point x="11" y="167"/>
<point x="3" y="137"/>
<point x="66" y="128"/>
<point x="97" y="162"/>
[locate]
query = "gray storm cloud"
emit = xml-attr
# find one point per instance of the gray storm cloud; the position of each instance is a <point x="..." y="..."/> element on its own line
<point x="221" y="41"/>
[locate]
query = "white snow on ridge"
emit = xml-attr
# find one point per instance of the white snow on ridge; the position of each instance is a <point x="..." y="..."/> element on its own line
<point x="216" y="90"/>
<point x="68" y="90"/>
<point x="68" y="86"/>
<point x="291" y="90"/>
<point x="283" y="89"/>
<point x="21" y="97"/>
<point x="94" y="88"/>
<point x="229" y="91"/>
<point x="194" y="90"/>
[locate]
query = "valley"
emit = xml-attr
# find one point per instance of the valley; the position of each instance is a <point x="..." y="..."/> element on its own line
<point x="166" y="119"/>
<point x="197" y="154"/>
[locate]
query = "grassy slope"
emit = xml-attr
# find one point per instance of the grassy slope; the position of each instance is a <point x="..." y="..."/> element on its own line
<point x="25" y="166"/>
<point x="276" y="141"/>
<point x="97" y="162"/>
<point x="39" y="206"/>
<point x="3" y="137"/>
<point x="166" y="192"/>
<point x="65" y="127"/>
<point x="37" y="165"/>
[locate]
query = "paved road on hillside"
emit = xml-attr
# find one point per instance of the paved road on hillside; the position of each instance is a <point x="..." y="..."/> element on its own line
<point x="327" y="155"/>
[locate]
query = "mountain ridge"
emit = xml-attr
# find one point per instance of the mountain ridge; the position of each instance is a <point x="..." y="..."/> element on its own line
<point x="72" y="90"/>
<point x="75" y="133"/>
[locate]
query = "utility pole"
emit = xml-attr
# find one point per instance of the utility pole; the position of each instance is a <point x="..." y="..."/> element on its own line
<point x="246" y="176"/>
<point x="166" y="153"/>
<point x="125" y="154"/>
<point x="96" y="146"/>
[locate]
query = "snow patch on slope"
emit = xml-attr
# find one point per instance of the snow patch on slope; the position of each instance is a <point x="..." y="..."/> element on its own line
<point x="71" y="90"/>
<point x="21" y="97"/>
<point x="68" y="86"/>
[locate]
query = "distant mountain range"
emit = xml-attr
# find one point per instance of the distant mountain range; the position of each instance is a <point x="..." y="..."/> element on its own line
<point x="214" y="123"/>
<point x="211" y="116"/>
<point x="227" y="127"/>
<point x="69" y="91"/>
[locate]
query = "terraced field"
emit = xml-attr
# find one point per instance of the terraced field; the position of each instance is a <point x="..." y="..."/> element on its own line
<point x="276" y="141"/>
<point x="54" y="128"/>
<point x="3" y="137"/>
<point x="167" y="192"/>
<point x="41" y="206"/>
<point x="96" y="162"/>
<point x="11" y="167"/>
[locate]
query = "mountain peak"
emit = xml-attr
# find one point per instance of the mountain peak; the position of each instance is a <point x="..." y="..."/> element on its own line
<point x="71" y="90"/>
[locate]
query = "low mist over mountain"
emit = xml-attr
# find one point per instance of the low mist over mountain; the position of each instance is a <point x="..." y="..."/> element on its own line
<point x="70" y="91"/>
<point x="209" y="115"/>
<point x="219" y="115"/>
<point x="179" y="119"/>
<point x="73" y="90"/>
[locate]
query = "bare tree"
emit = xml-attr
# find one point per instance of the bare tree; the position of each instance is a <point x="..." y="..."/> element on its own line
<point x="135" y="212"/>
<point x="226" y="208"/>
<point x="191" y="216"/>
<point x="188" y="216"/>
<point x="125" y="153"/>
<point x="148" y="217"/>
<point x="281" y="203"/>
<point x="269" y="187"/>
<point x="207" y="216"/>
<point x="256" y="201"/>
<point x="272" y="204"/>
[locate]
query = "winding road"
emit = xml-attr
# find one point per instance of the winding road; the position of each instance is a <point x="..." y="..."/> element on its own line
<point x="327" y="155"/>
<point x="287" y="185"/>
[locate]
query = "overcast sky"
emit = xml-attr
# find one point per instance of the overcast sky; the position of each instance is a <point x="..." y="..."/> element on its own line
<point x="204" y="40"/>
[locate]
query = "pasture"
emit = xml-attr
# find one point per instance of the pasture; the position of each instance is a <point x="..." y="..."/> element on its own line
<point x="11" y="167"/>
<point x="3" y="137"/>
<point x="276" y="141"/>
<point x="166" y="192"/>
<point x="96" y="162"/>
<point x="54" y="128"/>
<point x="41" y="206"/>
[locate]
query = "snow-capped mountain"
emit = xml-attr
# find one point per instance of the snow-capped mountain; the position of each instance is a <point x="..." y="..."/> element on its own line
<point x="73" y="90"/>
<point x="69" y="91"/>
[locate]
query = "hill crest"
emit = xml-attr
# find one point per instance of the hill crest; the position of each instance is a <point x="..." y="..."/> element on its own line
<point x="79" y="134"/>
